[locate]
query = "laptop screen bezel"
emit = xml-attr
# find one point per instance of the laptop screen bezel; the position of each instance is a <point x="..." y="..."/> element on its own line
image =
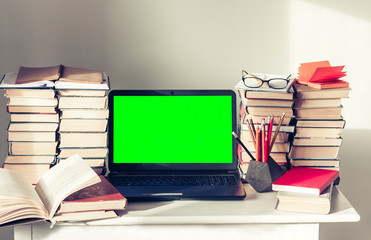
<point x="128" y="167"/>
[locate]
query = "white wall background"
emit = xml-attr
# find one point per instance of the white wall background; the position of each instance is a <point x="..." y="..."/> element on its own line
<point x="200" y="44"/>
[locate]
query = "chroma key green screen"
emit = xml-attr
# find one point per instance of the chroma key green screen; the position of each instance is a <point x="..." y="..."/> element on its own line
<point x="172" y="129"/>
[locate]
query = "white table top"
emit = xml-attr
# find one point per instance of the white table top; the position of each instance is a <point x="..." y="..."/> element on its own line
<point x="256" y="208"/>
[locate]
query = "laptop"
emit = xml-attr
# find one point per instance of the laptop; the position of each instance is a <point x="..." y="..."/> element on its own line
<point x="173" y="144"/>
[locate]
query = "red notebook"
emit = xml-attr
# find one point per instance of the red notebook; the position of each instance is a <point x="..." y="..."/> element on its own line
<point x="305" y="180"/>
<point x="329" y="84"/>
<point x="321" y="74"/>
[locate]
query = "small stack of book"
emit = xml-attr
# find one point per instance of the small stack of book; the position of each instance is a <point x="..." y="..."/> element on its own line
<point x="259" y="104"/>
<point x="305" y="190"/>
<point x="319" y="124"/>
<point x="83" y="117"/>
<point x="33" y="124"/>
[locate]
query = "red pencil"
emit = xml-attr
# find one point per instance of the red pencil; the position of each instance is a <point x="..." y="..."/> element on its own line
<point x="264" y="150"/>
<point x="258" y="144"/>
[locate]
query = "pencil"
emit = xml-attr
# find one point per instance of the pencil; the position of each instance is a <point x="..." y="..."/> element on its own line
<point x="251" y="134"/>
<point x="264" y="150"/>
<point x="242" y="145"/>
<point x="276" y="132"/>
<point x="258" y="144"/>
<point x="253" y="127"/>
<point x="270" y="131"/>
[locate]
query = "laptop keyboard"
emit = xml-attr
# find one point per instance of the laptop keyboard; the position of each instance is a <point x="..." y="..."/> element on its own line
<point x="215" y="180"/>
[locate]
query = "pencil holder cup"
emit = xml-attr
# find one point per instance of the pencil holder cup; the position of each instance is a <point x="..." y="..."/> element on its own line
<point x="261" y="175"/>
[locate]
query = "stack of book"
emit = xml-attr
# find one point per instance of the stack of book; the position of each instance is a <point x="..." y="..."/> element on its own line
<point x="34" y="117"/>
<point x="256" y="106"/>
<point x="83" y="120"/>
<point x="319" y="124"/>
<point x="305" y="190"/>
<point x="32" y="128"/>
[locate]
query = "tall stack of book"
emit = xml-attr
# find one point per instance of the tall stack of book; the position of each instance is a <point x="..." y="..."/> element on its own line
<point x="32" y="128"/>
<point x="257" y="104"/>
<point x="83" y="119"/>
<point x="318" y="114"/>
<point x="34" y="118"/>
<point x="319" y="125"/>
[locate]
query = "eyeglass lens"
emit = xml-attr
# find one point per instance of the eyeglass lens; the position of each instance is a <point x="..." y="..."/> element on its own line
<point x="273" y="83"/>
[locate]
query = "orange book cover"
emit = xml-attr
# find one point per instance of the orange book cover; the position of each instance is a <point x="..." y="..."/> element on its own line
<point x="320" y="71"/>
<point x="329" y="84"/>
<point x="306" y="70"/>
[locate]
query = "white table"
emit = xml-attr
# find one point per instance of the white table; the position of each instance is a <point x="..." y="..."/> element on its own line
<point x="253" y="218"/>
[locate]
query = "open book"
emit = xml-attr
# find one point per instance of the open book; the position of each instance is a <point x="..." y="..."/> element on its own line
<point x="58" y="77"/>
<point x="21" y="203"/>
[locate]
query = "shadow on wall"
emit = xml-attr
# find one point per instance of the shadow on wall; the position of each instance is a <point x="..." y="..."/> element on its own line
<point x="355" y="171"/>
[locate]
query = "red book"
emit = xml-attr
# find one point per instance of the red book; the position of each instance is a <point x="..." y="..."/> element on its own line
<point x="305" y="180"/>
<point x="316" y="73"/>
<point x="330" y="84"/>
<point x="100" y="196"/>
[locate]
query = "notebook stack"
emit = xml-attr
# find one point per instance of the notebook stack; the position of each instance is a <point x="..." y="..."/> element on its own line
<point x="319" y="126"/>
<point x="259" y="104"/>
<point x="32" y="128"/>
<point x="318" y="113"/>
<point x="83" y="120"/>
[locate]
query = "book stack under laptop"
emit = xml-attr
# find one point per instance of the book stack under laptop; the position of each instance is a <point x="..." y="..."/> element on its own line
<point x="83" y="121"/>
<point x="32" y="128"/>
<point x="319" y="126"/>
<point x="257" y="105"/>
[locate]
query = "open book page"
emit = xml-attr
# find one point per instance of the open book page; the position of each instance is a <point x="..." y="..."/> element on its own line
<point x="9" y="79"/>
<point x="36" y="74"/>
<point x="64" y="179"/>
<point x="62" y="84"/>
<point x="18" y="198"/>
<point x="81" y="75"/>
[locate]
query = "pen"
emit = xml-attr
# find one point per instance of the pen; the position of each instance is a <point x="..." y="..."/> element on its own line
<point x="242" y="145"/>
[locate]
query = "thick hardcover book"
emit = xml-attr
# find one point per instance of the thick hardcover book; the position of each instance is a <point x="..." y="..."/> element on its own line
<point x="314" y="152"/>
<point x="305" y="180"/>
<point x="306" y="203"/>
<point x="100" y="196"/>
<point x="306" y="92"/>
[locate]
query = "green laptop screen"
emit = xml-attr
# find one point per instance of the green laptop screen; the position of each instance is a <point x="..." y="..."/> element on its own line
<point x="172" y="129"/>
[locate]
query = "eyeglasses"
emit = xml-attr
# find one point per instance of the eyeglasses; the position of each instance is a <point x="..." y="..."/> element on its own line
<point x="252" y="81"/>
